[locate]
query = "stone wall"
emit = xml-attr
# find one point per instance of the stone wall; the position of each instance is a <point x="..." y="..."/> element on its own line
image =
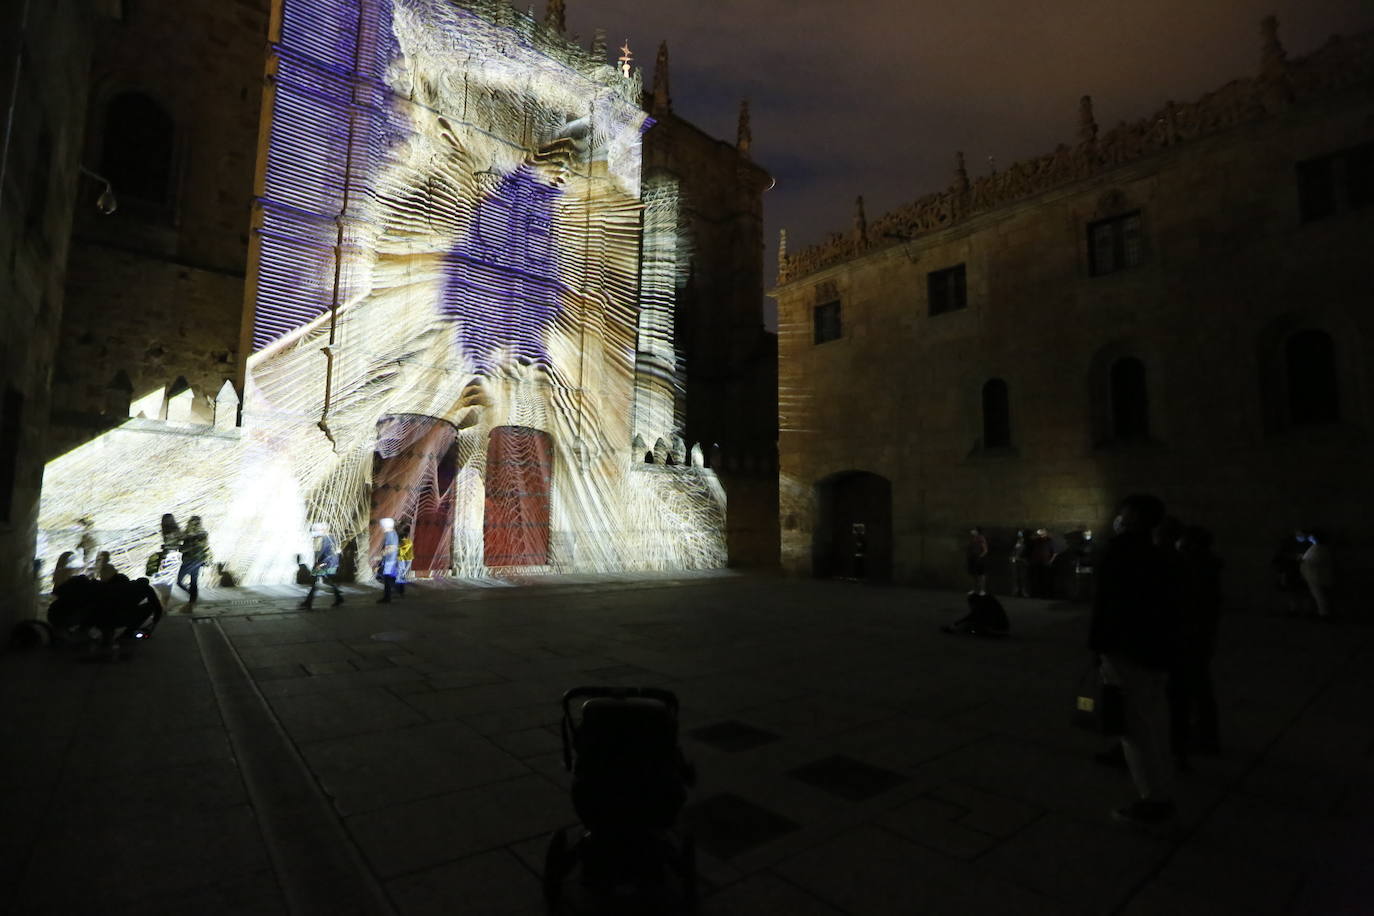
<point x="729" y="360"/>
<point x="44" y="52"/>
<point x="155" y="292"/>
<point x="1229" y="270"/>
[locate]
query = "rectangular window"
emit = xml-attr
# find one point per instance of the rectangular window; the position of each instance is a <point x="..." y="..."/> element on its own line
<point x="1115" y="244"/>
<point x="946" y="290"/>
<point x="1336" y="182"/>
<point x="826" y="319"/>
<point x="1359" y="176"/>
<point x="10" y="434"/>
<point x="1317" y="188"/>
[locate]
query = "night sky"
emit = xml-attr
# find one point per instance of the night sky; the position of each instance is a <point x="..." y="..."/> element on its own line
<point x="874" y="97"/>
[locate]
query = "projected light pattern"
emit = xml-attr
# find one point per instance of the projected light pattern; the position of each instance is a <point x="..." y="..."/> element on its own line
<point x="501" y="282"/>
<point x="451" y="322"/>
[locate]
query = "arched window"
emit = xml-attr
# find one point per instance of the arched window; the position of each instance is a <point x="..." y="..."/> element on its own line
<point x="996" y="415"/>
<point x="136" y="149"/>
<point x="1313" y="385"/>
<point x="1130" y="418"/>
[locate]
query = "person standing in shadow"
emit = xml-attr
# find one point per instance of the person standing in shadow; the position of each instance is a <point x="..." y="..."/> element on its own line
<point x="1192" y="700"/>
<point x="976" y="556"/>
<point x="1018" y="564"/>
<point x="1134" y="631"/>
<point x="326" y="566"/>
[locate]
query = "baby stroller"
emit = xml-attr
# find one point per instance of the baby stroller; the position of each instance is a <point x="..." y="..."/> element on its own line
<point x="629" y="781"/>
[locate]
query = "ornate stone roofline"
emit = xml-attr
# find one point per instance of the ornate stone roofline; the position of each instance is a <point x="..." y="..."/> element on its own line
<point x="1340" y="64"/>
<point x="546" y="37"/>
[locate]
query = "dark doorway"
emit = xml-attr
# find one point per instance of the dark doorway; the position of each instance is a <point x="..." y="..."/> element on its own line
<point x="519" y="481"/>
<point x="853" y="534"/>
<point x="1130" y="401"/>
<point x="996" y="415"/>
<point x="1314" y="395"/>
<point x="412" y="482"/>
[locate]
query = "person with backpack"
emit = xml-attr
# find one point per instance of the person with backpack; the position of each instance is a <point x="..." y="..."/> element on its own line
<point x="325" y="567"/>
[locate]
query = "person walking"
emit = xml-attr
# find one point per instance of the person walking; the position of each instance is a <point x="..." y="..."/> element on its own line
<point x="195" y="553"/>
<point x="325" y="567"/>
<point x="1019" y="551"/>
<point x="386" y="568"/>
<point x="1134" y="632"/>
<point x="405" y="559"/>
<point x="1192" y="699"/>
<point x="1319" y="572"/>
<point x="977" y="561"/>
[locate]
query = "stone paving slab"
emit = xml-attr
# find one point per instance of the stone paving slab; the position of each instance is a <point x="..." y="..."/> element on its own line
<point x="431" y="728"/>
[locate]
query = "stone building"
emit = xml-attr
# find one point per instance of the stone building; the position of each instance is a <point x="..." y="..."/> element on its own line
<point x="729" y="361"/>
<point x="43" y="50"/>
<point x="1177" y="305"/>
<point x="186" y="300"/>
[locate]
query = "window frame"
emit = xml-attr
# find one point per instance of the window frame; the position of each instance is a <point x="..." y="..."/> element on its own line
<point x="943" y="280"/>
<point x="1120" y="247"/>
<point x="818" y="326"/>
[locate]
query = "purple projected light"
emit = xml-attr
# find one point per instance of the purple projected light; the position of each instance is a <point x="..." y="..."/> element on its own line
<point x="501" y="282"/>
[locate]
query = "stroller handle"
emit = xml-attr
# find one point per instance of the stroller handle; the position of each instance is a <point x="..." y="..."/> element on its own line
<point x="666" y="697"/>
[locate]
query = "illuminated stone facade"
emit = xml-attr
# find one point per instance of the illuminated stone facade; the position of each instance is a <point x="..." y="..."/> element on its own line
<point x="1178" y="305"/>
<point x="477" y="330"/>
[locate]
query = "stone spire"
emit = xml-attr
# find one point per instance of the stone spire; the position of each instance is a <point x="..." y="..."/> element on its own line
<point x="961" y="183"/>
<point x="1273" y="58"/>
<point x="1276" y="88"/>
<point x="1087" y="124"/>
<point x="555" y="16"/>
<point x="860" y="221"/>
<point x="662" y="99"/>
<point x="744" y="135"/>
<point x="782" y="254"/>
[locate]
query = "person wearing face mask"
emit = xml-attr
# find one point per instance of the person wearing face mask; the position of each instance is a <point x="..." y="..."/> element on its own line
<point x="1134" y="631"/>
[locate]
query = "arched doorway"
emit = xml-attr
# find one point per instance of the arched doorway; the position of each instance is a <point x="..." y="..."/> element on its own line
<point x="853" y="533"/>
<point x="516" y="523"/>
<point x="413" y="468"/>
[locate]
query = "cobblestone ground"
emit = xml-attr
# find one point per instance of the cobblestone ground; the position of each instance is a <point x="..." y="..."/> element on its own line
<point x="253" y="758"/>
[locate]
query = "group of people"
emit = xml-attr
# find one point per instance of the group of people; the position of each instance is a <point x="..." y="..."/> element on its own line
<point x="393" y="566"/>
<point x="1154" y="629"/>
<point x="1033" y="559"/>
<point x="177" y="562"/>
<point x="183" y="554"/>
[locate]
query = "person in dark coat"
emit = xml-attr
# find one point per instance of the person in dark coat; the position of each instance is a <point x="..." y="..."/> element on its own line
<point x="1134" y="630"/>
<point x="1041" y="558"/>
<point x="1192" y="701"/>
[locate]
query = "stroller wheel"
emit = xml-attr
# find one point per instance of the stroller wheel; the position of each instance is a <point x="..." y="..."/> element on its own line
<point x="555" y="866"/>
<point x="689" y="871"/>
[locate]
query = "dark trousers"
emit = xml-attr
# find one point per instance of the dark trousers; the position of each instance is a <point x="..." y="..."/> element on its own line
<point x="190" y="571"/>
<point x="1042" y="580"/>
<point x="390" y="582"/>
<point x="1192" y="700"/>
<point x="315" y="583"/>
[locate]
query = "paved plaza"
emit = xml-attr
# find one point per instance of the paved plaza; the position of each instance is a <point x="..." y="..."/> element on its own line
<point x="252" y="758"/>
